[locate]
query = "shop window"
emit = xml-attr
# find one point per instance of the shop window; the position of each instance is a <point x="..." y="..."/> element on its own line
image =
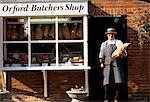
<point x="43" y="41"/>
<point x="15" y="55"/>
<point x="43" y="54"/>
<point x="71" y="30"/>
<point x="71" y="53"/>
<point x="15" y="30"/>
<point x="42" y="31"/>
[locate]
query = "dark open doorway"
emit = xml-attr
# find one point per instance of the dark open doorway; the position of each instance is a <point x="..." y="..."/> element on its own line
<point x="97" y="27"/>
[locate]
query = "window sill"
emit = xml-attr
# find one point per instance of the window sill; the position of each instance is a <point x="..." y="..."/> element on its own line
<point x="69" y="67"/>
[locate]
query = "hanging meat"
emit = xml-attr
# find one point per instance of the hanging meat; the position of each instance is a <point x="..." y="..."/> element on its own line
<point x="74" y="31"/>
<point x="9" y="32"/>
<point x="14" y="34"/>
<point x="46" y="32"/>
<point x="38" y="32"/>
<point x="79" y="32"/>
<point x="65" y="32"/>
<point x="60" y="35"/>
<point x="51" y="32"/>
<point x="21" y="32"/>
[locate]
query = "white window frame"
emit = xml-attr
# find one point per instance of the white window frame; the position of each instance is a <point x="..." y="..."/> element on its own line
<point x="56" y="41"/>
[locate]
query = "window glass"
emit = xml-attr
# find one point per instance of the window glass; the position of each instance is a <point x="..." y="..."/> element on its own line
<point x="16" y="29"/>
<point x="71" y="52"/>
<point x="15" y="55"/>
<point x="43" y="54"/>
<point x="42" y="28"/>
<point x="42" y="32"/>
<point x="71" y="29"/>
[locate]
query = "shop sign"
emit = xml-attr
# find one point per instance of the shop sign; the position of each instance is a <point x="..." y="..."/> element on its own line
<point x="38" y="9"/>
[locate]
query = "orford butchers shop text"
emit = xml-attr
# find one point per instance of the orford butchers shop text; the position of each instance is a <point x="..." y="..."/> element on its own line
<point x="34" y="7"/>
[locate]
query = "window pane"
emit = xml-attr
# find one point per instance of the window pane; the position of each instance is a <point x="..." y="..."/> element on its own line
<point x="15" y="55"/>
<point x="42" y="28"/>
<point x="16" y="29"/>
<point x="43" y="54"/>
<point x="71" y="52"/>
<point x="42" y="31"/>
<point x="71" y="29"/>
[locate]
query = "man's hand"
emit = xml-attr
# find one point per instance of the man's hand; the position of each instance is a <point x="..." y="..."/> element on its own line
<point x="101" y="63"/>
<point x="123" y="54"/>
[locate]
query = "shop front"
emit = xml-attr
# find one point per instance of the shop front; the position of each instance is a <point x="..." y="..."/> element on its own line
<point x="44" y="36"/>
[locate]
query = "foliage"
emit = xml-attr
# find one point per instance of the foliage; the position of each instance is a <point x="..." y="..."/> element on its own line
<point x="142" y="24"/>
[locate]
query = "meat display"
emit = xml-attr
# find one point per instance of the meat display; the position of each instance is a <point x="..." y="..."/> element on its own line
<point x="65" y="32"/>
<point x="38" y="32"/>
<point x="12" y="33"/>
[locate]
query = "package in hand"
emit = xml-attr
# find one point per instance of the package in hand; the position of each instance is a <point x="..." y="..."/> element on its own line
<point x="120" y="50"/>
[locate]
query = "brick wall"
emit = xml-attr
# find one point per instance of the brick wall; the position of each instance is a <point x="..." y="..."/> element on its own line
<point x="28" y="85"/>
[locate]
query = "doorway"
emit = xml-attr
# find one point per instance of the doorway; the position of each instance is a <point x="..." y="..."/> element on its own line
<point x="97" y="27"/>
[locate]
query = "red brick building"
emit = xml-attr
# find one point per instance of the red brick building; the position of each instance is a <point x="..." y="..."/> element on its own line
<point x="28" y="85"/>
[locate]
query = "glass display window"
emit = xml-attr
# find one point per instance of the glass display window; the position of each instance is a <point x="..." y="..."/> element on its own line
<point x="43" y="54"/>
<point x="71" y="54"/>
<point x="15" y="55"/>
<point x="71" y="30"/>
<point x="42" y="32"/>
<point x="42" y="28"/>
<point x="15" y="30"/>
<point x="36" y="42"/>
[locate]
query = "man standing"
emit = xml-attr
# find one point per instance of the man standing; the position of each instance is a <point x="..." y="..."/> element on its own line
<point x="112" y="67"/>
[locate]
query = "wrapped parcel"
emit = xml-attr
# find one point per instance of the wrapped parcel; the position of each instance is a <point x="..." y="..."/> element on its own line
<point x="120" y="50"/>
